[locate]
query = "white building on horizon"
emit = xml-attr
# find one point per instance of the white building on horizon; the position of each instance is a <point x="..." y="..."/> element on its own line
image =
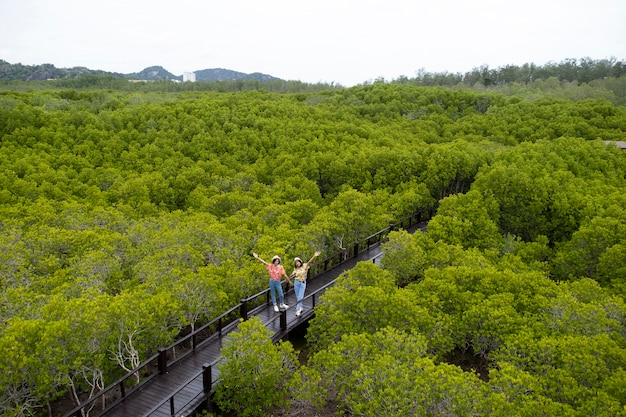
<point x="189" y="76"/>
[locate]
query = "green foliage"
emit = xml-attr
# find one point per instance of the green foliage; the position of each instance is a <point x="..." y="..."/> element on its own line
<point x="388" y="373"/>
<point x="24" y="383"/>
<point x="543" y="347"/>
<point x="550" y="188"/>
<point x="570" y="370"/>
<point x="333" y="367"/>
<point x="593" y="246"/>
<point x="135" y="209"/>
<point x="405" y="257"/>
<point x="365" y="300"/>
<point x="386" y="386"/>
<point x="255" y="373"/>
<point x="468" y="220"/>
<point x="524" y="318"/>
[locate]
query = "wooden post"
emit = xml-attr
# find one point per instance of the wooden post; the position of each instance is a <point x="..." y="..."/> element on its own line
<point x="162" y="361"/>
<point x="207" y="385"/>
<point x="283" y="320"/>
<point x="243" y="310"/>
<point x="207" y="378"/>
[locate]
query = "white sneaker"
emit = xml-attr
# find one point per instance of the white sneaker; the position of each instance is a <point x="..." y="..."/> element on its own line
<point x="275" y="308"/>
<point x="284" y="306"/>
<point x="298" y="312"/>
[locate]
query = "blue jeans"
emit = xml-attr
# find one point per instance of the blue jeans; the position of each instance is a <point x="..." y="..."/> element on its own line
<point x="299" y="287"/>
<point x="275" y="287"/>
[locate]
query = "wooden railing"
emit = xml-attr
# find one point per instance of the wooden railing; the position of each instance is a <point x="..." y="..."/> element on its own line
<point x="158" y="363"/>
<point x="174" y="408"/>
<point x="178" y="402"/>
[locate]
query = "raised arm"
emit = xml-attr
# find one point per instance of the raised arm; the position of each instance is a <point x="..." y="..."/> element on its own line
<point x="315" y="255"/>
<point x="256" y="256"/>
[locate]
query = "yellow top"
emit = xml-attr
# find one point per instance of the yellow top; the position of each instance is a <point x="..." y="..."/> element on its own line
<point x="300" y="273"/>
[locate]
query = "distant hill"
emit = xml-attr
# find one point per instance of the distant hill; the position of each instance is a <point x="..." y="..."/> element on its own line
<point x="220" y="74"/>
<point x="19" y="72"/>
<point x="155" y="73"/>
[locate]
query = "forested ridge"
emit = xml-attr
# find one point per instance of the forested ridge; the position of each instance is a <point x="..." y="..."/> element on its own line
<point x="128" y="216"/>
<point x="572" y="79"/>
<point x="47" y="72"/>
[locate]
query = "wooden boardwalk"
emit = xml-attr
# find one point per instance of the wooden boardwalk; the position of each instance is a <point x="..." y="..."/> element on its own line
<point x="182" y="388"/>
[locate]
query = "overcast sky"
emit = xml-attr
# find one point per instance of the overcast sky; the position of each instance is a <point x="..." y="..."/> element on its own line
<point x="342" y="41"/>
